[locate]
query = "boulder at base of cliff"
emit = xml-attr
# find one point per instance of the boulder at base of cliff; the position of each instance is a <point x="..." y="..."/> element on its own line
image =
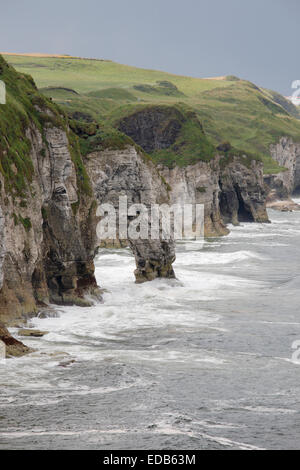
<point x="14" y="348"/>
<point x="287" y="205"/>
<point x="34" y="333"/>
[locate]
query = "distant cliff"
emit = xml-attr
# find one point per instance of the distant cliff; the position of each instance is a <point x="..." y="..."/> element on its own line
<point x="284" y="184"/>
<point x="231" y="189"/>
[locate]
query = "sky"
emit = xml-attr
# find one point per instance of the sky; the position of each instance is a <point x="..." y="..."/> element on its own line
<point x="257" y="40"/>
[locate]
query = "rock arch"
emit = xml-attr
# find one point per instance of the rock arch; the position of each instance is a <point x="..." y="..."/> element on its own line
<point x="126" y="172"/>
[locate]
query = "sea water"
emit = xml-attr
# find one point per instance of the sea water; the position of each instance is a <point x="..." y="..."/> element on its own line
<point x="201" y="362"/>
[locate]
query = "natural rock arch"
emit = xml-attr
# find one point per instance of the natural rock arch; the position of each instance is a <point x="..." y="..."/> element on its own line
<point x="116" y="173"/>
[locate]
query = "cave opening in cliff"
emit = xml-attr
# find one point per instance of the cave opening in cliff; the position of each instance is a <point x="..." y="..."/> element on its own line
<point x="244" y="214"/>
<point x="296" y="192"/>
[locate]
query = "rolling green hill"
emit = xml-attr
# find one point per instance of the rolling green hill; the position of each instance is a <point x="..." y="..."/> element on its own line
<point x="85" y="75"/>
<point x="229" y="109"/>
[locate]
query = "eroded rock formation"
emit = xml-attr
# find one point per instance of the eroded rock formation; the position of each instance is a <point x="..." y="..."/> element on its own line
<point x="242" y="191"/>
<point x="231" y="191"/>
<point x="283" y="184"/>
<point x="11" y="346"/>
<point x="129" y="173"/>
<point x="48" y="236"/>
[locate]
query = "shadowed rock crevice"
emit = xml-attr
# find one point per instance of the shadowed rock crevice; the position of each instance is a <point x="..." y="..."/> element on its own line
<point x="229" y="206"/>
<point x="244" y="213"/>
<point x="296" y="191"/>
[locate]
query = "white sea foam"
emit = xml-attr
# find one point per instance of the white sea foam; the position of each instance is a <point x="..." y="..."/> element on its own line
<point x="264" y="409"/>
<point x="165" y="428"/>
<point x="160" y="326"/>
<point x="202" y="258"/>
<point x="130" y="309"/>
<point x="43" y="432"/>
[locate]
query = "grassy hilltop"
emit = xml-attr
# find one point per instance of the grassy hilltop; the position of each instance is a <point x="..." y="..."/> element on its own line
<point x="229" y="109"/>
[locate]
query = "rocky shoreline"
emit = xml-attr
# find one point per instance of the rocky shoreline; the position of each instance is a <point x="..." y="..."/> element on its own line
<point x="13" y="347"/>
<point x="48" y="224"/>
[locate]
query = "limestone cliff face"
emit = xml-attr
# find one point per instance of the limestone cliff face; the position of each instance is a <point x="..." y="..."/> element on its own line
<point x="127" y="172"/>
<point x="282" y="185"/>
<point x="47" y="248"/>
<point x="47" y="206"/>
<point x="48" y="244"/>
<point x="242" y="191"/>
<point x="231" y="191"/>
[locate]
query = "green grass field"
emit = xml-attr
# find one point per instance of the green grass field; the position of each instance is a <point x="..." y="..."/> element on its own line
<point x="85" y="75"/>
<point x="229" y="109"/>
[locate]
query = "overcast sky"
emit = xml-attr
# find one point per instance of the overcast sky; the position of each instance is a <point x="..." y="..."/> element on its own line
<point x="254" y="39"/>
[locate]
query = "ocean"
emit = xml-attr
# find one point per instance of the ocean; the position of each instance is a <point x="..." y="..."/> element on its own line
<point x="205" y="361"/>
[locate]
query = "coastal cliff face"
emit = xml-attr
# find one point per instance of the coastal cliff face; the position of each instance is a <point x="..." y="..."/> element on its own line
<point x="282" y="185"/>
<point x="242" y="191"/>
<point x="48" y="239"/>
<point x="49" y="194"/>
<point x="230" y="187"/>
<point x="198" y="184"/>
<point x="231" y="191"/>
<point x="47" y="207"/>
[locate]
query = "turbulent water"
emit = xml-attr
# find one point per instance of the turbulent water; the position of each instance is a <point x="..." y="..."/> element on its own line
<point x="201" y="362"/>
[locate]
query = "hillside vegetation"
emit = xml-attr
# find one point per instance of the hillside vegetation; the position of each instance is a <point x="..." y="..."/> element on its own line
<point x="229" y="109"/>
<point x="26" y="108"/>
